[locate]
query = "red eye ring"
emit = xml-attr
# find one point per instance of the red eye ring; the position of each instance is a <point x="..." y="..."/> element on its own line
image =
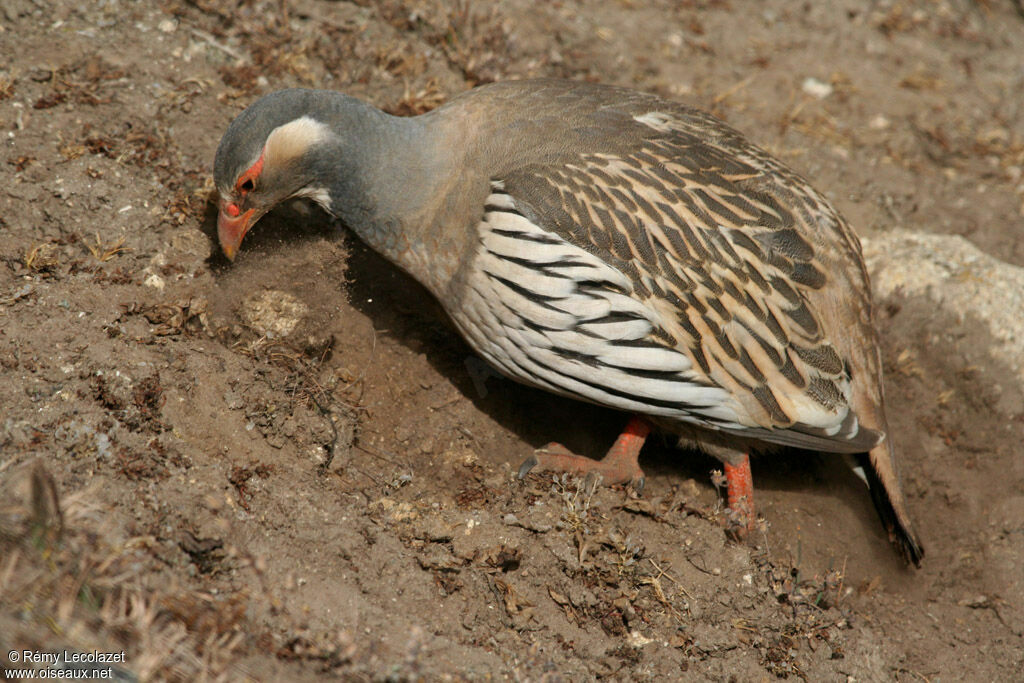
<point x="247" y="182"/>
<point x="232" y="210"/>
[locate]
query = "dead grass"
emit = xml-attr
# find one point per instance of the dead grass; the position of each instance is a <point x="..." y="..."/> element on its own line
<point x="71" y="577"/>
<point x="104" y="252"/>
<point x="44" y="257"/>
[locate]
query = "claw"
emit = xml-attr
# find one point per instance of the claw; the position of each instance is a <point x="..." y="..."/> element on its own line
<point x="528" y="465"/>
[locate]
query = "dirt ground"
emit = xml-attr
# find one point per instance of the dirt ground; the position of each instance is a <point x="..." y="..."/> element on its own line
<point x="290" y="467"/>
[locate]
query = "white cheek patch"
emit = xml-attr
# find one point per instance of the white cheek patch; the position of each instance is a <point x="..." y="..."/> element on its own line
<point x="292" y="139"/>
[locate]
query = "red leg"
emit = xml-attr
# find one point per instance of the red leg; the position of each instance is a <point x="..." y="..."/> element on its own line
<point x="741" y="494"/>
<point x="619" y="465"/>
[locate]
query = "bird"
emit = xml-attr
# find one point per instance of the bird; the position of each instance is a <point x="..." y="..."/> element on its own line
<point x="608" y="245"/>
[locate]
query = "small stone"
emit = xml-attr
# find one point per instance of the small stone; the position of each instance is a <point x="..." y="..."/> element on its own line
<point x="976" y="602"/>
<point x="154" y="281"/>
<point x="637" y="639"/>
<point x="816" y="88"/>
<point x="879" y="122"/>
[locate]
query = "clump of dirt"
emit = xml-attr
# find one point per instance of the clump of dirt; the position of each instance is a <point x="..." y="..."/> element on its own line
<point x="291" y="468"/>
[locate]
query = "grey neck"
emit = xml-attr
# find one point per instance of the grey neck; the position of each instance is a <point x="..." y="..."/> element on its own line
<point x="383" y="174"/>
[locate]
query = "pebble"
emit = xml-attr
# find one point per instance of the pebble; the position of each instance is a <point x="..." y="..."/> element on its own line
<point x="816" y="88"/>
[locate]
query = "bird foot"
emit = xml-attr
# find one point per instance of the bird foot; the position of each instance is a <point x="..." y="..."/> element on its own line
<point x="554" y="457"/>
<point x="740" y="521"/>
<point x="619" y="466"/>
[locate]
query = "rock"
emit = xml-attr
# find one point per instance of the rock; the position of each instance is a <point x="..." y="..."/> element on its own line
<point x="959" y="278"/>
<point x="190" y="247"/>
<point x="153" y="280"/>
<point x="879" y="122"/>
<point x="816" y="88"/>
<point x="273" y="313"/>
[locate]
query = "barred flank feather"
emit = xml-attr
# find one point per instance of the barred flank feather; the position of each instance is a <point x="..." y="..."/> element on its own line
<point x="548" y="310"/>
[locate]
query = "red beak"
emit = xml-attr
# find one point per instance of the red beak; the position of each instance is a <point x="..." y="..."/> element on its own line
<point x="230" y="231"/>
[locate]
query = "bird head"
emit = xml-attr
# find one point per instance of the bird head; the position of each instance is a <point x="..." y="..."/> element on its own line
<point x="270" y="153"/>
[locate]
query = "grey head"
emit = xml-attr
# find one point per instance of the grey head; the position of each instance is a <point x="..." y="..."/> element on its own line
<point x="284" y="145"/>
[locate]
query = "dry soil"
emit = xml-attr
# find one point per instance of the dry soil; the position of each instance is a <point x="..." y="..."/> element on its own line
<point x="290" y="467"/>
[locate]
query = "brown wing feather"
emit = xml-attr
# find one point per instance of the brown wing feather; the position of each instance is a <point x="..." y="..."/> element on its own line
<point x="738" y="255"/>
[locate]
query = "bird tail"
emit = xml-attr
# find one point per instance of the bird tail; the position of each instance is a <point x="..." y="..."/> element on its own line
<point x="877" y="469"/>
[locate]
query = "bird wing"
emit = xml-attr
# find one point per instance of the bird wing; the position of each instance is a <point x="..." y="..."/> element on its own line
<point x="678" y="280"/>
<point x="635" y="284"/>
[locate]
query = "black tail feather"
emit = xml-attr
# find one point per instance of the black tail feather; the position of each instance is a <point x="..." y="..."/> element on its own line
<point x="900" y="532"/>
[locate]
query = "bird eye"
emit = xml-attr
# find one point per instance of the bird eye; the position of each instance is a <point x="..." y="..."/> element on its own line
<point x="246" y="182"/>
